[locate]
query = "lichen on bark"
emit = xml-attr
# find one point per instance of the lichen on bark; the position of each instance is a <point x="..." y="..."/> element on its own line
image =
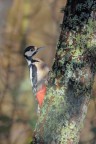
<point x="69" y="90"/>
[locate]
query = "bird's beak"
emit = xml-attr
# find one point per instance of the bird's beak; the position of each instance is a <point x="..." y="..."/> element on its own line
<point x="37" y="50"/>
<point x="40" y="48"/>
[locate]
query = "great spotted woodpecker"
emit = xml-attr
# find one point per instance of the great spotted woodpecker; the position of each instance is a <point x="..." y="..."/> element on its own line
<point x="38" y="72"/>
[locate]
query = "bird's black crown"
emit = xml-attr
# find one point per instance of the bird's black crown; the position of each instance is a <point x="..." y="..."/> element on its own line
<point x="30" y="51"/>
<point x="32" y="48"/>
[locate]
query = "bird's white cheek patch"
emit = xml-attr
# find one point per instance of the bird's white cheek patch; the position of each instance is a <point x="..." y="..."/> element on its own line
<point x="29" y="53"/>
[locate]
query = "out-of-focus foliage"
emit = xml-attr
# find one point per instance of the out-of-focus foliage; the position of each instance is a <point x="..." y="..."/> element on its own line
<point x="19" y="24"/>
<point x="27" y="22"/>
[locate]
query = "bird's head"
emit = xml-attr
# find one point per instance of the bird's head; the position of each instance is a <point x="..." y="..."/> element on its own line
<point x="31" y="51"/>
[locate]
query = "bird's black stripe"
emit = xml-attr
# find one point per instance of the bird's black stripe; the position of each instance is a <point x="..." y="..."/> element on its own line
<point x="34" y="77"/>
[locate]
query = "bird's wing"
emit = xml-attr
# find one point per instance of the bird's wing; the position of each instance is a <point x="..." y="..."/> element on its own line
<point x="33" y="76"/>
<point x="42" y="72"/>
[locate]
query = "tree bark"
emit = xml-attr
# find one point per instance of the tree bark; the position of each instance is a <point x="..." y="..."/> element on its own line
<point x="69" y="90"/>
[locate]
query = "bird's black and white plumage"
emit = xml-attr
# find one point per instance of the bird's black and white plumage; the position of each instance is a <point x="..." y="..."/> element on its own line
<point x="38" y="69"/>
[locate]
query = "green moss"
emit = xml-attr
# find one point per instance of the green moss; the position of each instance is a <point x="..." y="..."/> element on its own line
<point x="65" y="105"/>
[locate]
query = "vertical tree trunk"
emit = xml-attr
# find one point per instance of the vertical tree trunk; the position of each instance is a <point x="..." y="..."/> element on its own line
<point x="69" y="90"/>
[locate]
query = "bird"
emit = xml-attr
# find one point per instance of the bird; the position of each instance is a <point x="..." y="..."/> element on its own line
<point x="39" y="71"/>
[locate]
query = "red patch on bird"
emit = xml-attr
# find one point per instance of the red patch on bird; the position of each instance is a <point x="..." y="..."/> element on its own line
<point x="41" y="94"/>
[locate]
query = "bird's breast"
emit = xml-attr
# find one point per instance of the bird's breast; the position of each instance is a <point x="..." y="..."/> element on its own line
<point x="42" y="71"/>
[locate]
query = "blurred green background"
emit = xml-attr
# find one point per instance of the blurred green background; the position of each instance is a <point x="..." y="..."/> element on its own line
<point x="23" y="23"/>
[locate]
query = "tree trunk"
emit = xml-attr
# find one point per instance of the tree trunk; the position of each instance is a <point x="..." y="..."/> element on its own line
<point x="69" y="89"/>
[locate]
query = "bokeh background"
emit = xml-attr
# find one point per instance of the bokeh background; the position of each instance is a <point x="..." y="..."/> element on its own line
<point x="23" y="23"/>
